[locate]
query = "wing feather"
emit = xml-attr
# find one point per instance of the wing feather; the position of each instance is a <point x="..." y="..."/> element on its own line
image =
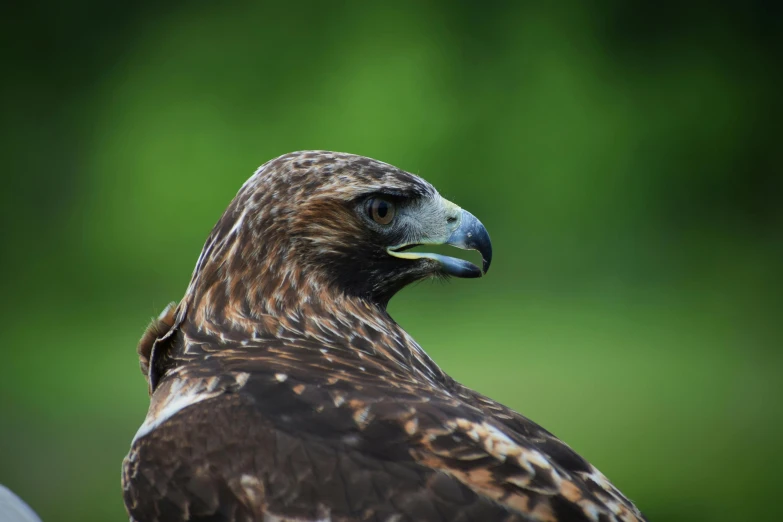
<point x="352" y="446"/>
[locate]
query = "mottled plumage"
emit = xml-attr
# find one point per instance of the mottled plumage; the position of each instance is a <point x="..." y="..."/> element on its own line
<point x="281" y="389"/>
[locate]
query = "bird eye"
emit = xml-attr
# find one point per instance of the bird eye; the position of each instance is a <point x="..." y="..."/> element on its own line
<point x="381" y="211"/>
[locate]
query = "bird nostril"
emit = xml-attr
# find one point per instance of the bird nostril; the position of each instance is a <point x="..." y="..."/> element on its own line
<point x="451" y="220"/>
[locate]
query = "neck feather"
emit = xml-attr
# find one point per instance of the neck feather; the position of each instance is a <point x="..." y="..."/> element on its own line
<point x="297" y="309"/>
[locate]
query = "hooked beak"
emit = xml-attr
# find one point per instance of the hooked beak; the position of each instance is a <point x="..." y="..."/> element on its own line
<point x="470" y="234"/>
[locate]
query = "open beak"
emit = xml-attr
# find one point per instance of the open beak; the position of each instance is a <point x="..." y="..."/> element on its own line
<point x="470" y="234"/>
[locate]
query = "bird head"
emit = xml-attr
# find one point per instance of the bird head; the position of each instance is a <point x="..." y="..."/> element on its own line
<point x="339" y="222"/>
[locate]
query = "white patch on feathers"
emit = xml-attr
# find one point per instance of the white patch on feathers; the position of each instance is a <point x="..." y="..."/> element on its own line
<point x="177" y="400"/>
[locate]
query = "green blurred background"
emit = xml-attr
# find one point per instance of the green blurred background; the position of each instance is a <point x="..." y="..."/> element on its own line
<point x="626" y="160"/>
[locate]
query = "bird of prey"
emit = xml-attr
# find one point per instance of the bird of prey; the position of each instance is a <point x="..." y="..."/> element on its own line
<point x="282" y="390"/>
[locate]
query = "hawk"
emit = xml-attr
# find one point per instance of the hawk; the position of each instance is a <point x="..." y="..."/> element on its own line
<point x="282" y="390"/>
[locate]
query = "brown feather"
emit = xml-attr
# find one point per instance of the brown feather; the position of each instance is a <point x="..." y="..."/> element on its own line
<point x="283" y="390"/>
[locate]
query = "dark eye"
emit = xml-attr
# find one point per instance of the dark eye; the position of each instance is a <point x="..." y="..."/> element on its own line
<point x="381" y="211"/>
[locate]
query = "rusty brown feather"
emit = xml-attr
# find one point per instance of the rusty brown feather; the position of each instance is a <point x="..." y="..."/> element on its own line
<point x="281" y="389"/>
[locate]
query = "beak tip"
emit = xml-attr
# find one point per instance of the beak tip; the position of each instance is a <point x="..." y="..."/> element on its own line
<point x="485" y="265"/>
<point x="486" y="253"/>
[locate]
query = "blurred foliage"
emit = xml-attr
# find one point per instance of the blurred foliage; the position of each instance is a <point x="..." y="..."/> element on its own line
<point x="625" y="158"/>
